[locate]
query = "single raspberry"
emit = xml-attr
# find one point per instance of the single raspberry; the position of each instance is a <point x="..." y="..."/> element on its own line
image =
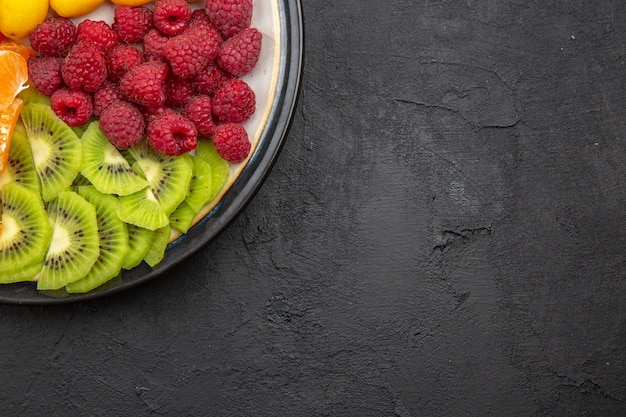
<point x="54" y="37"/>
<point x="239" y="54"/>
<point x="178" y="91"/>
<point x="84" y="68"/>
<point x="154" y="46"/>
<point x="231" y="142"/>
<point x="122" y="58"/>
<point x="171" y="16"/>
<point x="234" y="102"/>
<point x="150" y="113"/>
<point x="144" y="84"/>
<point x="198" y="110"/>
<point x="45" y="73"/>
<point x="108" y="94"/>
<point x="123" y="124"/>
<point x="210" y="79"/>
<point x="72" y="106"/>
<point x="230" y="16"/>
<point x="172" y="134"/>
<point x="132" y="23"/>
<point x="98" y="33"/>
<point x="200" y="25"/>
<point x="187" y="57"/>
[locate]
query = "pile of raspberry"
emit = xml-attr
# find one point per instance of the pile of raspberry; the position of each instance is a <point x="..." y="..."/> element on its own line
<point x="167" y="73"/>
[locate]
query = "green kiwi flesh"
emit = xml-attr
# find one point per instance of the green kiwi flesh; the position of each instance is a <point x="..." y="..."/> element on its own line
<point x="200" y="184"/>
<point x="74" y="247"/>
<point x="220" y="169"/>
<point x="142" y="209"/>
<point x="139" y="241"/>
<point x="55" y="147"/>
<point x="21" y="274"/>
<point x="182" y="218"/>
<point x="156" y="251"/>
<point x="20" y="166"/>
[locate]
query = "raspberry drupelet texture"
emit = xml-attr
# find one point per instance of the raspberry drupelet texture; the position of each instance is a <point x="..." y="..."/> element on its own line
<point x="45" y="73"/>
<point x="84" y="68"/>
<point x="54" y="37"/>
<point x="210" y="79"/>
<point x="154" y="46"/>
<point x="123" y="124"/>
<point x="187" y="57"/>
<point x="234" y="102"/>
<point x="171" y="16"/>
<point x="231" y="142"/>
<point x="198" y="110"/>
<point x="72" y="106"/>
<point x="178" y="91"/>
<point x="144" y="84"/>
<point x="172" y="134"/>
<point x="98" y="33"/>
<point x="229" y="16"/>
<point x="108" y="94"/>
<point x="122" y="58"/>
<point x="239" y="54"/>
<point x="132" y="23"/>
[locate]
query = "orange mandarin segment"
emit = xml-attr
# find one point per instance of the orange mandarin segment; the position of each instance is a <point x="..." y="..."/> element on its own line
<point x="23" y="50"/>
<point x="8" y="120"/>
<point x="13" y="76"/>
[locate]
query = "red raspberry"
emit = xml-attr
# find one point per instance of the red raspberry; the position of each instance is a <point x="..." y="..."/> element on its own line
<point x="200" y="25"/>
<point x="178" y="91"/>
<point x="150" y="113"/>
<point x="154" y="46"/>
<point x="108" y="94"/>
<point x="231" y="142"/>
<point x="171" y="16"/>
<point x="132" y="23"/>
<point x="234" y="102"/>
<point x="210" y="79"/>
<point x="123" y="124"/>
<point x="84" y="68"/>
<point x="98" y="33"/>
<point x="230" y="16"/>
<point x="198" y="110"/>
<point x="54" y="37"/>
<point x="122" y="58"/>
<point x="239" y="54"/>
<point x="172" y="134"/>
<point x="144" y="84"/>
<point x="187" y="56"/>
<point x="45" y="73"/>
<point x="72" y="106"/>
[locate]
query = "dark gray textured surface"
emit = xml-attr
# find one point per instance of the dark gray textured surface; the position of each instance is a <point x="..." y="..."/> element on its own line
<point x="442" y="235"/>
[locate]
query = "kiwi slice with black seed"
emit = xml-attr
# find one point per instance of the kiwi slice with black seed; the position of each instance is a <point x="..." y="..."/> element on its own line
<point x="156" y="252"/>
<point x="113" y="242"/>
<point x="182" y="218"/>
<point x="75" y="244"/>
<point x="200" y="189"/>
<point x="142" y="209"/>
<point x="105" y="167"/>
<point x="139" y="241"/>
<point x="26" y="231"/>
<point x="20" y="166"/>
<point x="168" y="177"/>
<point x="56" y="149"/>
<point x="220" y="169"/>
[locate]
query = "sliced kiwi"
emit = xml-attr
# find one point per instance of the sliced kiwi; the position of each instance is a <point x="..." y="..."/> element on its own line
<point x="156" y="252"/>
<point x="21" y="274"/>
<point x="139" y="241"/>
<point x="220" y="169"/>
<point x="31" y="95"/>
<point x="26" y="232"/>
<point x="105" y="167"/>
<point x="113" y="241"/>
<point x="74" y="247"/>
<point x="168" y="177"/>
<point x="80" y="130"/>
<point x="142" y="209"/>
<point x="20" y="167"/>
<point x="182" y="218"/>
<point x="56" y="149"/>
<point x="200" y="185"/>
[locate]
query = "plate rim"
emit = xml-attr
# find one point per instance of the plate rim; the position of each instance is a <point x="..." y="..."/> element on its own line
<point x="240" y="193"/>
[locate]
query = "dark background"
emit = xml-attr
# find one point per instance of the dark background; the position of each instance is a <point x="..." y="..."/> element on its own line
<point x="442" y="235"/>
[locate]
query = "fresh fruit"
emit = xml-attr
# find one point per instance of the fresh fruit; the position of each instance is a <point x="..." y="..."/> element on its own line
<point x="238" y="55"/>
<point x="72" y="8"/>
<point x="154" y="45"/>
<point x="172" y="134"/>
<point x="229" y="16"/>
<point x="200" y="185"/>
<point x="21" y="49"/>
<point x="8" y="120"/>
<point x="210" y="79"/>
<point x="198" y="110"/>
<point x="231" y="142"/>
<point x="74" y="247"/>
<point x="220" y="170"/>
<point x="45" y="73"/>
<point x="108" y="94"/>
<point x="74" y="107"/>
<point x="84" y="68"/>
<point x="20" y="166"/>
<point x="187" y="57"/>
<point x="113" y="242"/>
<point x="97" y="32"/>
<point x="234" y="102"/>
<point x="132" y="23"/>
<point x="139" y="241"/>
<point x="171" y="16"/>
<point x="105" y="167"/>
<point x="182" y="218"/>
<point x="178" y="91"/>
<point x="142" y="209"/>
<point x="123" y="124"/>
<point x="122" y="58"/>
<point x="56" y="149"/>
<point x="19" y="18"/>
<point x="156" y="251"/>
<point x="25" y="231"/>
<point x="144" y="84"/>
<point x="131" y="2"/>
<point x="14" y="75"/>
<point x="54" y="37"/>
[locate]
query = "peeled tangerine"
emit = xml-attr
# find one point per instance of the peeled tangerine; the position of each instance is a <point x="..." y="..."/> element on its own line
<point x="8" y="120"/>
<point x="19" y="18"/>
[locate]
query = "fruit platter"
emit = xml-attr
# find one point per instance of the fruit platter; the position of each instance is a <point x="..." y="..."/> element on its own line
<point x="132" y="132"/>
